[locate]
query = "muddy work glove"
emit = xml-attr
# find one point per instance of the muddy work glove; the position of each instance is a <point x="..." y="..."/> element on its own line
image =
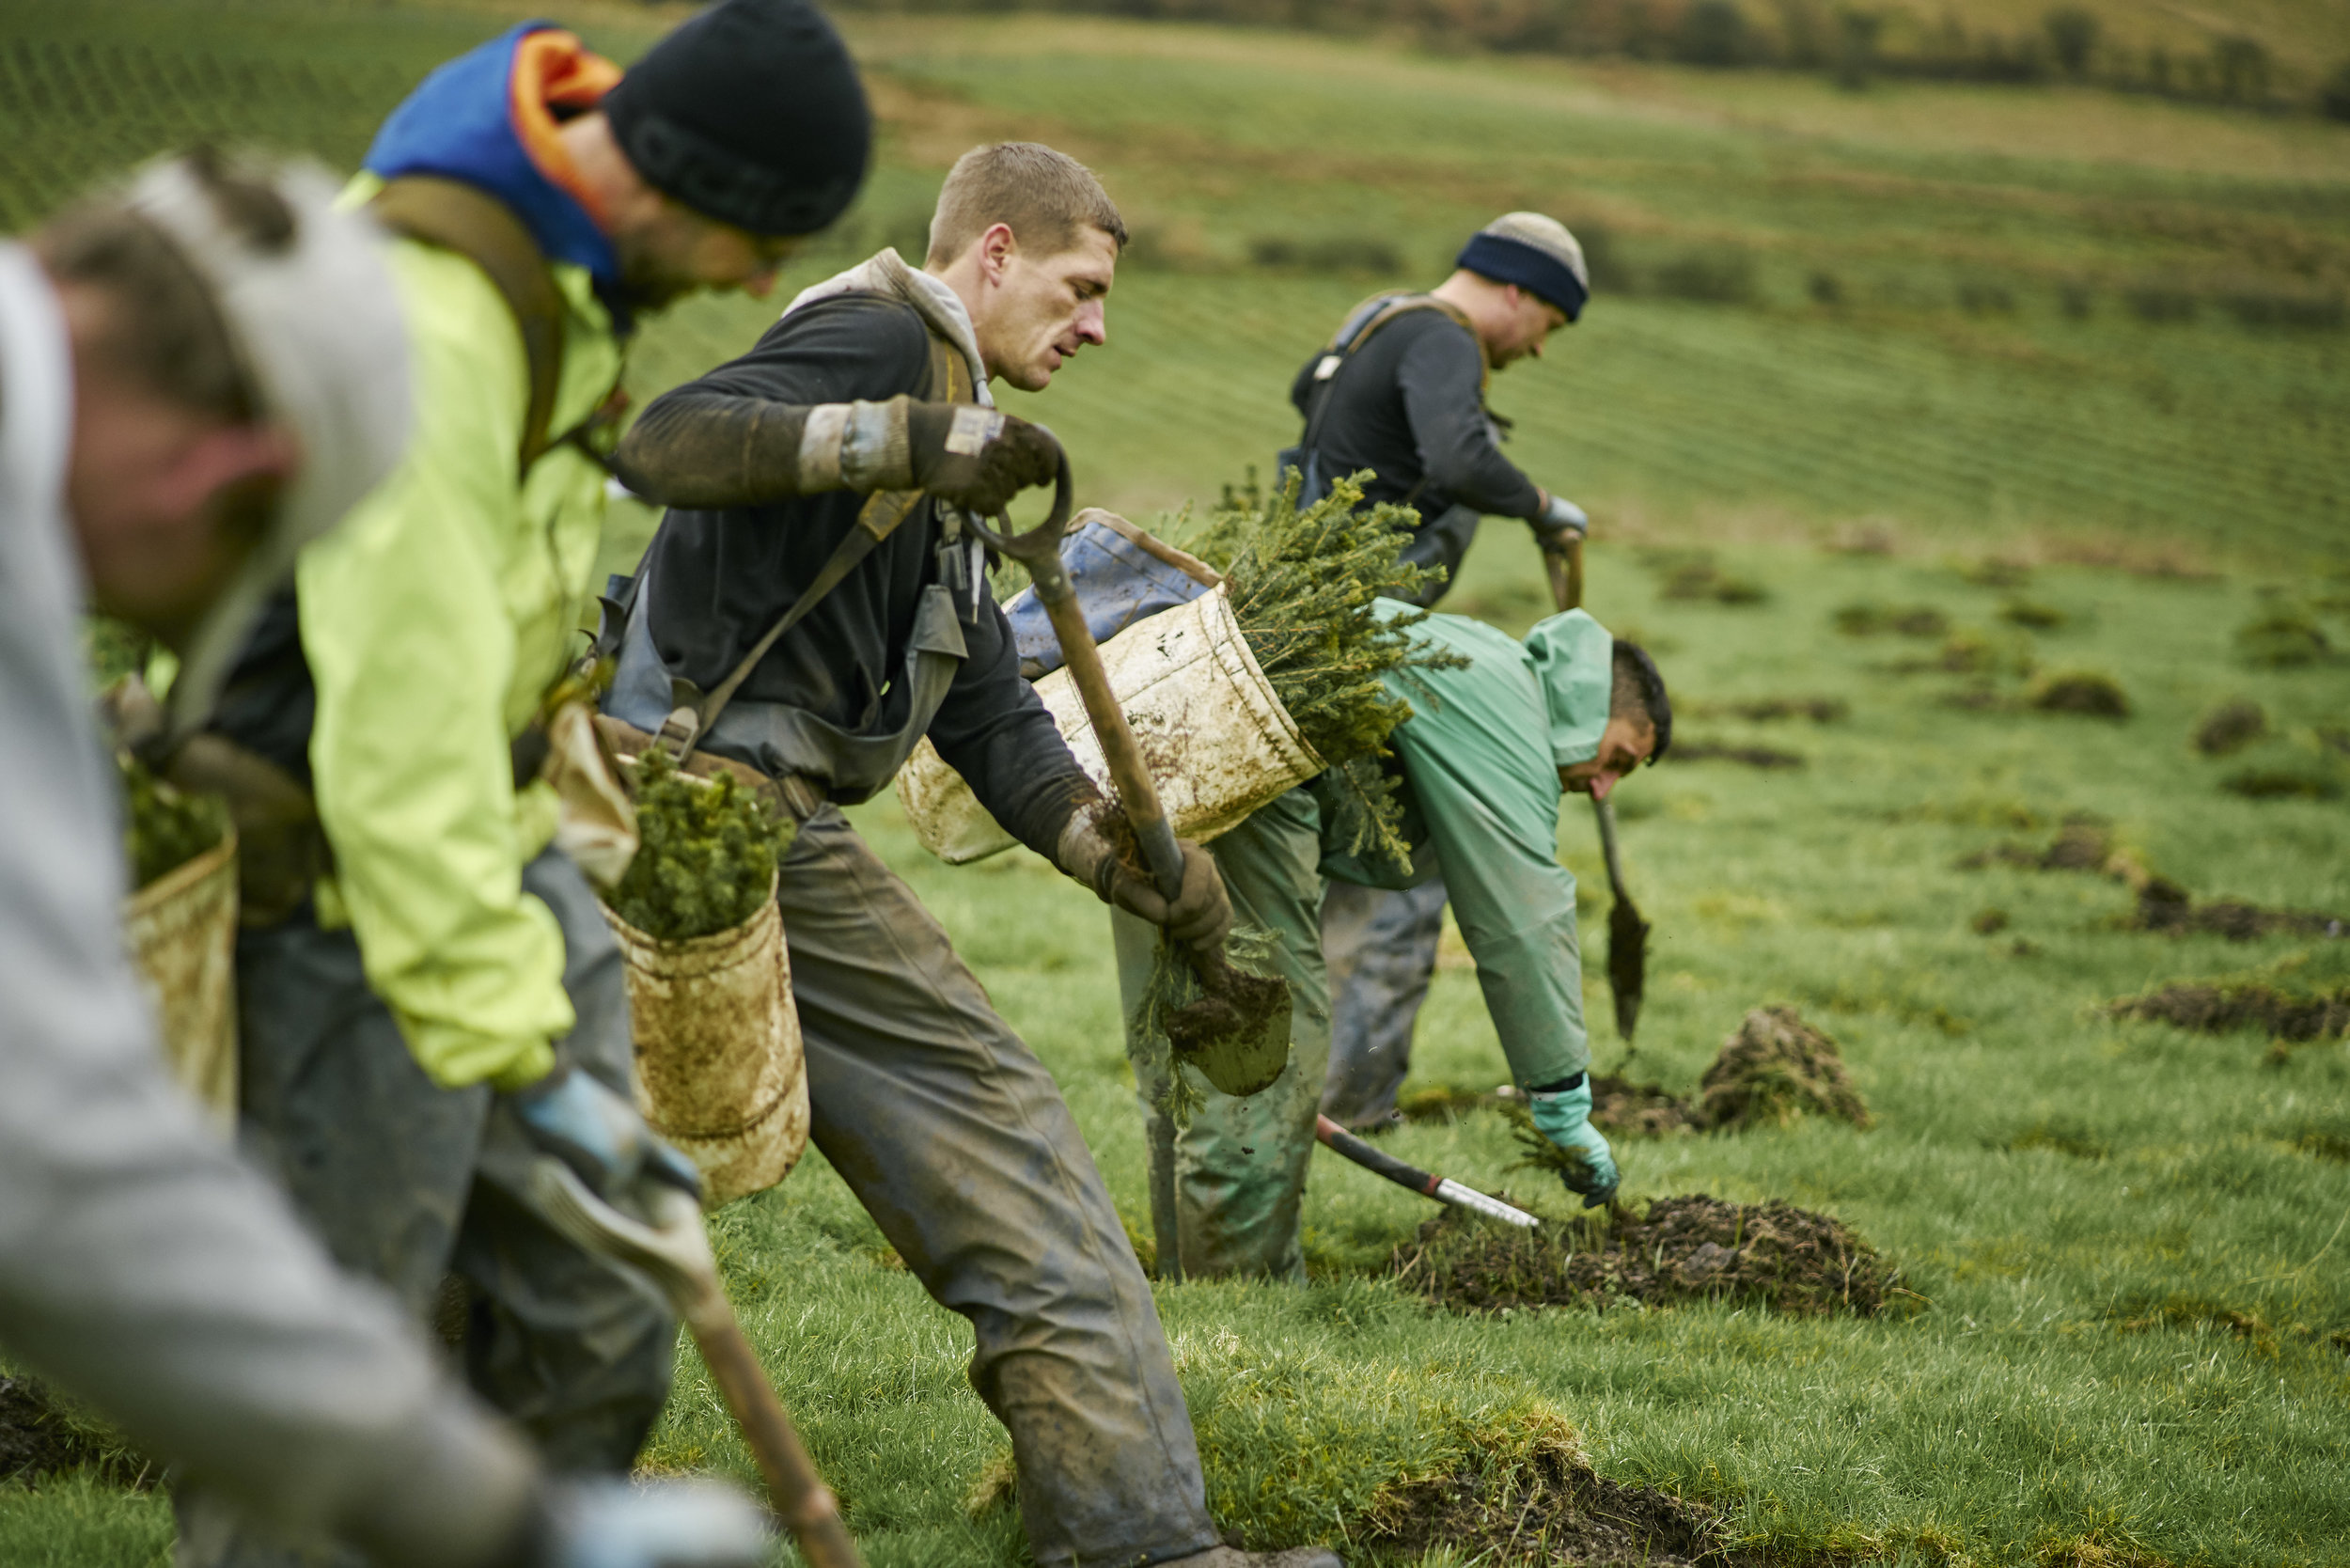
<point x="612" y="1523"/>
<point x="599" y="1134"/>
<point x="1201" y="914"/>
<point x="1561" y="522"/>
<point x="1562" y="1113"/>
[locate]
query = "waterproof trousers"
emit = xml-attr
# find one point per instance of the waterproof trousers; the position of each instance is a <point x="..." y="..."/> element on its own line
<point x="1381" y="946"/>
<point x="407" y="1182"/>
<point x="1239" y="1169"/>
<point x="956" y="1140"/>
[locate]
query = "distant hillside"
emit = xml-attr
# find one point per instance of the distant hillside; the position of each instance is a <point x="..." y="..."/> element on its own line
<point x="2257" y="53"/>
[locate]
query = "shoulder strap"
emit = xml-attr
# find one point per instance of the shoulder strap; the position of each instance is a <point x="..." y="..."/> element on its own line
<point x="949" y="375"/>
<point x="484" y="231"/>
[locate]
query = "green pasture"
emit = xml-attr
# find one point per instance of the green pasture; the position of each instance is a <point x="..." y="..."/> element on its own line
<point x="2131" y="1239"/>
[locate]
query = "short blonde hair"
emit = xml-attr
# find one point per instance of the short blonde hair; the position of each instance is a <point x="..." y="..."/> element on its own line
<point x="1047" y="199"/>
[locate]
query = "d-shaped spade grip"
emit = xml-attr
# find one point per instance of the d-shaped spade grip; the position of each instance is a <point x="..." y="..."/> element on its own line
<point x="1039" y="550"/>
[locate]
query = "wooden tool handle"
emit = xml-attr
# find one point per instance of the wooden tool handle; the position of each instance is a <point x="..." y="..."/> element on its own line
<point x="1136" y="793"/>
<point x="799" y="1496"/>
<point x="1566" y="576"/>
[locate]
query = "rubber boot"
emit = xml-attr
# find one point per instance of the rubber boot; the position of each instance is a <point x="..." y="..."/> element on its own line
<point x="1228" y="1557"/>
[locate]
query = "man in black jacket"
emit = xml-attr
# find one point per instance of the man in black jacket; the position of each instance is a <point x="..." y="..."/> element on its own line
<point x="836" y="459"/>
<point x="1401" y="391"/>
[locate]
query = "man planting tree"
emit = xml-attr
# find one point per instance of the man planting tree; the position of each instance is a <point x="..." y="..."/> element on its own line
<point x="1400" y="392"/>
<point x="195" y="377"/>
<point x="429" y="999"/>
<point x="816" y="578"/>
<point x="1494" y="736"/>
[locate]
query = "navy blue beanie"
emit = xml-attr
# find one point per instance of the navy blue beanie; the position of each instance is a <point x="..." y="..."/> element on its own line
<point x="1551" y="271"/>
<point x="750" y="113"/>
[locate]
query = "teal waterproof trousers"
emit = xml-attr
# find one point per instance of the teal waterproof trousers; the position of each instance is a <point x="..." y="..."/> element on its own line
<point x="1240" y="1167"/>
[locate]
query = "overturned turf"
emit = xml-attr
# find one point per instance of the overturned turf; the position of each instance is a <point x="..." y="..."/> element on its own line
<point x="40" y="1438"/>
<point x="1752" y="755"/>
<point x="1687" y="1248"/>
<point x="1545" y="1505"/>
<point x="2221" y="1009"/>
<point x="2165" y="906"/>
<point x="1773" y="1069"/>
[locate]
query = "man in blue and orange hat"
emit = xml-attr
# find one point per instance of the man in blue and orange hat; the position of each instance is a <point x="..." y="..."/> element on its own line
<point x="429" y="997"/>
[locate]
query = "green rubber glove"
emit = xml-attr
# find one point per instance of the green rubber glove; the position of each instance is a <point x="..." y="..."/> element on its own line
<point x="1564" y="1117"/>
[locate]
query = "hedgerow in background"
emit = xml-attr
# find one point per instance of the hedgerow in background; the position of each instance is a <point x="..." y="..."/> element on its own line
<point x="706" y="856"/>
<point x="165" y="828"/>
<point x="1305" y="586"/>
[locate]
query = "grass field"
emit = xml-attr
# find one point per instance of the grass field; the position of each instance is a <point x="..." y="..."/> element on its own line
<point x="2131" y="1237"/>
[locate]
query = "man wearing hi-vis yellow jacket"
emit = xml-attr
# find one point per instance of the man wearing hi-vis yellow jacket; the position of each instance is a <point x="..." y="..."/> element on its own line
<point x="429" y="999"/>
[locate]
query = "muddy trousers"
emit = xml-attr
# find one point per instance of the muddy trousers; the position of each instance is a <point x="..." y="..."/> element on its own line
<point x="1239" y="1175"/>
<point x="1381" y="946"/>
<point x="956" y="1140"/>
<point x="407" y="1182"/>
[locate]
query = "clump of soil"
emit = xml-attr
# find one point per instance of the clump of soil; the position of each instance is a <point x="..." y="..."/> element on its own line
<point x="1691" y="1248"/>
<point x="39" y="1437"/>
<point x="2221" y="1009"/>
<point x="2285" y="772"/>
<point x="1519" y="1501"/>
<point x="2281" y="639"/>
<point x="1641" y="1110"/>
<point x="1767" y="710"/>
<point x="1752" y="755"/>
<point x="2081" y="691"/>
<point x="2231" y="726"/>
<point x="1997" y="572"/>
<point x="1774" y="1069"/>
<point x="1695" y="575"/>
<point x="2032" y="615"/>
<point x="2165" y="906"/>
<point x="1868" y="618"/>
<point x="2082" y="844"/>
<point x="1989" y="922"/>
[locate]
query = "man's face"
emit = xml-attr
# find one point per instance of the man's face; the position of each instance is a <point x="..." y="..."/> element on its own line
<point x="1036" y="312"/>
<point x="1623" y="745"/>
<point x="676" y="251"/>
<point x="166" y="503"/>
<point x="1524" y="325"/>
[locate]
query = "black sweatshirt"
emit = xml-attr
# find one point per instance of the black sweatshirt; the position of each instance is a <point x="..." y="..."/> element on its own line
<point x="714" y="581"/>
<point x="1407" y="406"/>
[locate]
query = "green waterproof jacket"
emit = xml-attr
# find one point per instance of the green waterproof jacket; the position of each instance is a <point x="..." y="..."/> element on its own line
<point x="434" y="620"/>
<point x="1479" y="757"/>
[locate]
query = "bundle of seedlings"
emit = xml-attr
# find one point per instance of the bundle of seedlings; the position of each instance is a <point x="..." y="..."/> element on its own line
<point x="165" y="828"/>
<point x="706" y="857"/>
<point x="1303" y="587"/>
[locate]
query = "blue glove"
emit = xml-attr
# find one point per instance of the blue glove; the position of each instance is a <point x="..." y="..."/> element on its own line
<point x="1564" y="1117"/>
<point x="571" y="1115"/>
<point x="1561" y="523"/>
<point x="614" y="1523"/>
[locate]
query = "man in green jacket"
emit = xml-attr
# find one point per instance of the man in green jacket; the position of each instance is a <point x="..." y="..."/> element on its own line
<point x="429" y="996"/>
<point x="1489" y="748"/>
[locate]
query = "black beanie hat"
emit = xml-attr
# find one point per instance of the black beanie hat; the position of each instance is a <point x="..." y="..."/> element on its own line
<point x="751" y="113"/>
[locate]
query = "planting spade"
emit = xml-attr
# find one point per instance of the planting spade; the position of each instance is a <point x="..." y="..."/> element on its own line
<point x="1237" y="1033"/>
<point x="1627" y="932"/>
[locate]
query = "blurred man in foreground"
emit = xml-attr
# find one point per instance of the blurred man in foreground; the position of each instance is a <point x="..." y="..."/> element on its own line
<point x="195" y="381"/>
<point x="1400" y="392"/>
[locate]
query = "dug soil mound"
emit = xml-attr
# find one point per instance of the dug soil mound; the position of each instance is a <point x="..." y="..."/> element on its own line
<point x="2224" y="1008"/>
<point x="40" y="1438"/>
<point x="1548" y="1507"/>
<point x="1687" y="1248"/>
<point x="1773" y="1070"/>
<point x="1642" y="1110"/>
<point x="2165" y="906"/>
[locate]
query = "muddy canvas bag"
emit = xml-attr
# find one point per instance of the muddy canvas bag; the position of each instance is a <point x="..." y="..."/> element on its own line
<point x="182" y="932"/>
<point x="1217" y="740"/>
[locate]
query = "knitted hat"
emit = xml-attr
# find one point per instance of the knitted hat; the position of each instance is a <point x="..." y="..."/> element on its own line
<point x="1574" y="658"/>
<point x="1535" y="253"/>
<point x="751" y="113"/>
